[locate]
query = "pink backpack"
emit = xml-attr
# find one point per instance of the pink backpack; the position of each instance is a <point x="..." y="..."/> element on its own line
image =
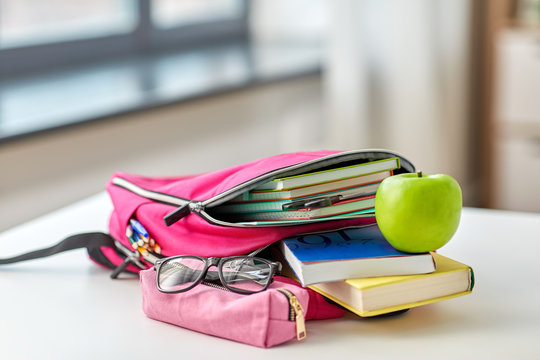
<point x="178" y="212"/>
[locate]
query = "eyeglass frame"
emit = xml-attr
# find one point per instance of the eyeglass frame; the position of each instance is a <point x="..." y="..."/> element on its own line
<point x="275" y="268"/>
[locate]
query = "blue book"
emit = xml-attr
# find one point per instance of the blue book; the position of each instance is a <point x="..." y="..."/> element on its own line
<point x="349" y="254"/>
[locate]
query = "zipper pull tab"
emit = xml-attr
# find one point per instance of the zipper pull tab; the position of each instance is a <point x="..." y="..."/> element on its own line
<point x="177" y="214"/>
<point x="299" y="318"/>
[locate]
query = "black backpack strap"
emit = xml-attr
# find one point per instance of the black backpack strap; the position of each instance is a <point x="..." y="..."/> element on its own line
<point x="93" y="242"/>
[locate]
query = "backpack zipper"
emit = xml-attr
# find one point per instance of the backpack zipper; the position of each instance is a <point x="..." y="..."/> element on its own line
<point x="149" y="194"/>
<point x="183" y="206"/>
<point x="305" y="166"/>
<point x="186" y="206"/>
<point x="296" y="313"/>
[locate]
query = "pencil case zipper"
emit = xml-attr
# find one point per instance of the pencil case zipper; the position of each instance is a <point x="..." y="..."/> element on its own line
<point x="296" y="313"/>
<point x="187" y="206"/>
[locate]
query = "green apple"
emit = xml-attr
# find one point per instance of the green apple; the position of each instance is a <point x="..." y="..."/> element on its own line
<point x="417" y="212"/>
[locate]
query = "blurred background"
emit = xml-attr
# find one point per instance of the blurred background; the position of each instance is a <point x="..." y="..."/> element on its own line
<point x="169" y="87"/>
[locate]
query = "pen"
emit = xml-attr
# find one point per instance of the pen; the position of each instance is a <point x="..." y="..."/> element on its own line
<point x="312" y="203"/>
<point x="129" y="235"/>
<point x="140" y="239"/>
<point x="318" y="202"/>
<point x="139" y="229"/>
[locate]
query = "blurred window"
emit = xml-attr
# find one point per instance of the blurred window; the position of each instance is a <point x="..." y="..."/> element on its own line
<point x="67" y="32"/>
<point x="171" y="13"/>
<point x="32" y="22"/>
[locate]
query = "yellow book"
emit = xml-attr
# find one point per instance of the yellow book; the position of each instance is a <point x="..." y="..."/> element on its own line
<point x="381" y="295"/>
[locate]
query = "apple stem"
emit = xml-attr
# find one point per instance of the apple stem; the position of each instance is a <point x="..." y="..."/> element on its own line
<point x="419" y="174"/>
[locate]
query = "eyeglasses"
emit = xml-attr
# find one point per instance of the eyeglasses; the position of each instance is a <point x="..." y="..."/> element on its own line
<point x="241" y="274"/>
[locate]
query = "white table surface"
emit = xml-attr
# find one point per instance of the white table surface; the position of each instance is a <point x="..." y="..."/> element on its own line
<point x="66" y="307"/>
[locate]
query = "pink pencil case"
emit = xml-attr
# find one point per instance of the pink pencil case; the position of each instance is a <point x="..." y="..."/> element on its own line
<point x="263" y="319"/>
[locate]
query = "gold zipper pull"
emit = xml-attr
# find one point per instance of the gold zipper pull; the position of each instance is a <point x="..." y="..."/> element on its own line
<point x="299" y="318"/>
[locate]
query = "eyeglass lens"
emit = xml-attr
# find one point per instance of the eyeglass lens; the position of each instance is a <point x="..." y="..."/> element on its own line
<point x="180" y="273"/>
<point x="248" y="274"/>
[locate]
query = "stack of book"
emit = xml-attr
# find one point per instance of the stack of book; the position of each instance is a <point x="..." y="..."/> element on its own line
<point x="345" y="192"/>
<point x="356" y="268"/>
<point x="359" y="270"/>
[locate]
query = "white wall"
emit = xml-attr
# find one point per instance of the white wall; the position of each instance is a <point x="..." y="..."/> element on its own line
<point x="290" y="21"/>
<point x="397" y="77"/>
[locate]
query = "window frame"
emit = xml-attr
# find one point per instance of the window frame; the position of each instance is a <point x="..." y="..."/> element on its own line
<point x="145" y="39"/>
